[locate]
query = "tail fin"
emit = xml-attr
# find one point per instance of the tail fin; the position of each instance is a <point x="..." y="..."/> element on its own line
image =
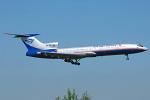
<point x="30" y="41"/>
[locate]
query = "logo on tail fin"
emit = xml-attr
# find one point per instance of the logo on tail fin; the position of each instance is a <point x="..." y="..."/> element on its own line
<point x="29" y="41"/>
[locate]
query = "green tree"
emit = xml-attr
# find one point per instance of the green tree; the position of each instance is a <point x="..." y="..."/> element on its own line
<point x="57" y="98"/>
<point x="76" y="98"/>
<point x="65" y="98"/>
<point x="69" y="94"/>
<point x="85" y="96"/>
<point x="73" y="96"/>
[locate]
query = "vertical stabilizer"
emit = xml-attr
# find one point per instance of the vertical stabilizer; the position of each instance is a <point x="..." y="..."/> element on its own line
<point x="32" y="43"/>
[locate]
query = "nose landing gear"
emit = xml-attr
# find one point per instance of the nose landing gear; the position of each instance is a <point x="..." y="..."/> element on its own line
<point x="127" y="57"/>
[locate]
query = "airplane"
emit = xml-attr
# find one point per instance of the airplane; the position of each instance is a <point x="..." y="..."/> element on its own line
<point x="73" y="55"/>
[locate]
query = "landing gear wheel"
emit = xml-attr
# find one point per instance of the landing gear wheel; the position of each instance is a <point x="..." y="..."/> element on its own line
<point x="78" y="64"/>
<point x="72" y="62"/>
<point x="127" y="58"/>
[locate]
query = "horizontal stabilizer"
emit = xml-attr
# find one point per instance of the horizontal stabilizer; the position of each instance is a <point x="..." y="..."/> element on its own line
<point x="19" y="35"/>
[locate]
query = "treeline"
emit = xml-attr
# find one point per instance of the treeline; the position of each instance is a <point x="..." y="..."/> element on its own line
<point x="73" y="96"/>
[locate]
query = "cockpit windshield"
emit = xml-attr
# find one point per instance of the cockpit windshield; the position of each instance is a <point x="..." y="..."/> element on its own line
<point x="139" y="45"/>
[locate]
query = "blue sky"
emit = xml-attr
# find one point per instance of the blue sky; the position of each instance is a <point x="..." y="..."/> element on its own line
<point x="73" y="24"/>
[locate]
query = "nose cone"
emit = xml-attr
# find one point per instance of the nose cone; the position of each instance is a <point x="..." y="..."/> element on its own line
<point x="145" y="49"/>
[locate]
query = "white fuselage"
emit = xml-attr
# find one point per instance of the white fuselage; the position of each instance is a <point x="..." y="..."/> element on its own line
<point x="105" y="49"/>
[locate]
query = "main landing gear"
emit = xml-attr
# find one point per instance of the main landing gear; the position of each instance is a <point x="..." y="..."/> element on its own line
<point x="127" y="57"/>
<point x="76" y="62"/>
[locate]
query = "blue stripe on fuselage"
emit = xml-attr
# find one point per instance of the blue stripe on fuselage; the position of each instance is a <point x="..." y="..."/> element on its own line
<point x="117" y="52"/>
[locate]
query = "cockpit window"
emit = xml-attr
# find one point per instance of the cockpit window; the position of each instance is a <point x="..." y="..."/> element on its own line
<point x="139" y="45"/>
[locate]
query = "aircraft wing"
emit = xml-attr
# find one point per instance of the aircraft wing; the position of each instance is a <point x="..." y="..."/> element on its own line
<point x="70" y="55"/>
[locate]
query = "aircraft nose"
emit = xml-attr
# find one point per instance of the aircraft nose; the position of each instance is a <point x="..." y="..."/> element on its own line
<point x="145" y="48"/>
